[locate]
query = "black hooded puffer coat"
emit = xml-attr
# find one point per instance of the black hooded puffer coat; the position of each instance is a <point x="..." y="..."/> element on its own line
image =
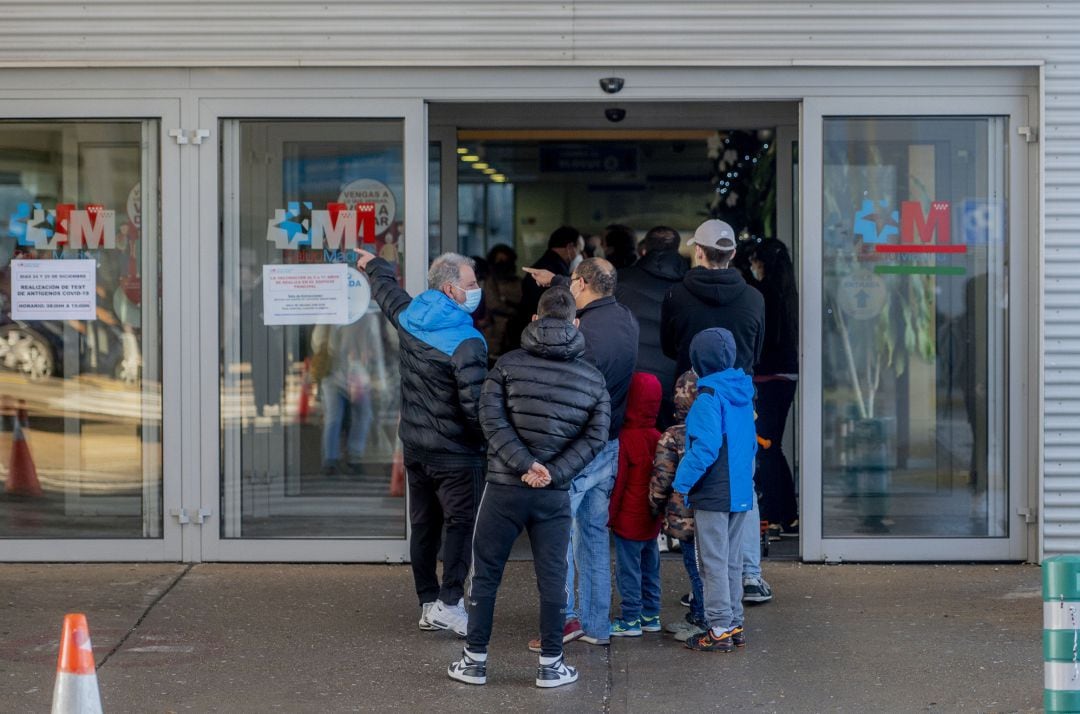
<point x="544" y="402"/>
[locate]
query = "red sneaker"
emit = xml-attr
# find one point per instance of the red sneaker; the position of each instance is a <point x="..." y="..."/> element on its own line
<point x="570" y="632"/>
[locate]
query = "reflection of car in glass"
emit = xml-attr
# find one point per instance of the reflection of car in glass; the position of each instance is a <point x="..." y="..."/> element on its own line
<point x="35" y="349"/>
<point x="25" y="351"/>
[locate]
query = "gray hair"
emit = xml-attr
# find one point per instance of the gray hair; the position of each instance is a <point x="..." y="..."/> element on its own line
<point x="447" y="269"/>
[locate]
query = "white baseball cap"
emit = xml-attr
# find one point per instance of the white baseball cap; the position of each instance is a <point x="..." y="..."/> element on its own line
<point x="714" y="233"/>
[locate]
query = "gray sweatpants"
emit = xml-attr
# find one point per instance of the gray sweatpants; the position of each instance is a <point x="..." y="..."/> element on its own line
<point x="719" y="556"/>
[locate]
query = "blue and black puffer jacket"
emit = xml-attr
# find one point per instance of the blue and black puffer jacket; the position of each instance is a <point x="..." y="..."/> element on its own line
<point x="443" y="365"/>
<point x="717" y="470"/>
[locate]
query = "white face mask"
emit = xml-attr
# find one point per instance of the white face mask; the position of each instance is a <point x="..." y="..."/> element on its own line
<point x="576" y="262"/>
<point x="758" y="273"/>
<point x="472" y="299"/>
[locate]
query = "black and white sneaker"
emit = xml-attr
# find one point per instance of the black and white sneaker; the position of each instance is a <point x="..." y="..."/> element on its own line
<point x="555" y="674"/>
<point x="469" y="670"/>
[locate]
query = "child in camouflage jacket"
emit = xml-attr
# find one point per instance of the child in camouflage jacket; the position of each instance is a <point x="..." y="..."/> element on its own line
<point x="678" y="522"/>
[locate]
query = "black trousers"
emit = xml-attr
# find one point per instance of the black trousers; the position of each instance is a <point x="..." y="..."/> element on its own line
<point x="441" y="497"/>
<point x="504" y="512"/>
<point x="773" y="478"/>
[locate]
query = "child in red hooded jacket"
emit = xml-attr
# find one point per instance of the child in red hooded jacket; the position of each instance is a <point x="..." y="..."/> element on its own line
<point x="637" y="556"/>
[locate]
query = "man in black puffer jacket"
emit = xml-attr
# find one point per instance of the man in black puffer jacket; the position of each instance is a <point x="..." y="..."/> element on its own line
<point x="642" y="288"/>
<point x="443" y="364"/>
<point x="545" y="412"/>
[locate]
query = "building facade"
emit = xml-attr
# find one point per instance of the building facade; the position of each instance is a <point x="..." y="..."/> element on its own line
<point x="192" y="370"/>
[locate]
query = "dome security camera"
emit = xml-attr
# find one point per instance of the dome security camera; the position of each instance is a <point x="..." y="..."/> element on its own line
<point x="612" y="85"/>
<point x="615" y="114"/>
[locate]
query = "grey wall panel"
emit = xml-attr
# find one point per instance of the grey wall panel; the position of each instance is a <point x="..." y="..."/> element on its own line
<point x="1061" y="409"/>
<point x="527" y="32"/>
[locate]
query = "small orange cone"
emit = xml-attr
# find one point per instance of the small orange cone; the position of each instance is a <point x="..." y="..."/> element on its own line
<point x="76" y="690"/>
<point x="397" y="475"/>
<point x="22" y="477"/>
<point x="303" y="410"/>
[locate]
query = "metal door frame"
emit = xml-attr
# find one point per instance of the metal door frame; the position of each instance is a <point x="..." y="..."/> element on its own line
<point x="1022" y="257"/>
<point x="166" y="111"/>
<point x="268" y="106"/>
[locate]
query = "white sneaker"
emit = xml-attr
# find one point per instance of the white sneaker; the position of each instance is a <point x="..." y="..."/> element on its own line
<point x="425" y="610"/>
<point x="450" y="617"/>
<point x="555" y="674"/>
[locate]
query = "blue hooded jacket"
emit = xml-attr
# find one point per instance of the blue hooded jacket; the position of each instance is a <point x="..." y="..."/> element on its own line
<point x="717" y="471"/>
<point x="443" y="365"/>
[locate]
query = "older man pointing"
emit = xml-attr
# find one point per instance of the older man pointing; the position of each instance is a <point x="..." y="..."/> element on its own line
<point x="443" y="365"/>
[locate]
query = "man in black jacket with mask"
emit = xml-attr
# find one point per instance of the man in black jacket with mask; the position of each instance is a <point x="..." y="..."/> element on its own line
<point x="642" y="288"/>
<point x="443" y="364"/>
<point x="545" y="413"/>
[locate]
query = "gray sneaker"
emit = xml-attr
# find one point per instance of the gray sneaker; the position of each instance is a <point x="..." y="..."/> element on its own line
<point x="685" y="629"/>
<point x="756" y="590"/>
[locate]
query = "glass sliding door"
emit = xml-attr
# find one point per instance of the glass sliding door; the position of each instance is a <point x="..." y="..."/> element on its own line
<point x="82" y="297"/>
<point x="308" y="383"/>
<point x="915" y="253"/>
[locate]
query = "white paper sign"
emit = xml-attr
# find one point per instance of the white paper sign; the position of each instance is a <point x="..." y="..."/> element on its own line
<point x="54" y="289"/>
<point x="313" y="294"/>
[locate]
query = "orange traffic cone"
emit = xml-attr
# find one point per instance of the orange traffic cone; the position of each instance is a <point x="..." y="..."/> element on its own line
<point x="397" y="475"/>
<point x="22" y="477"/>
<point x="76" y="690"/>
<point x="303" y="410"/>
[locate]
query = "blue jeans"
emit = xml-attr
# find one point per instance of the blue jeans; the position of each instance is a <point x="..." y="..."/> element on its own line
<point x="637" y="572"/>
<point x="751" y="543"/>
<point x="590" y="547"/>
<point x="689" y="559"/>
<point x="335" y="402"/>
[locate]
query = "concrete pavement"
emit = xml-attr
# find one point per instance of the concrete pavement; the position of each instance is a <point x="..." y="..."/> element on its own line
<point x="327" y="638"/>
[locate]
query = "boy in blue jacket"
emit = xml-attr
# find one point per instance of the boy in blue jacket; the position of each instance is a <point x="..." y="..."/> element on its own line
<point x="716" y="477"/>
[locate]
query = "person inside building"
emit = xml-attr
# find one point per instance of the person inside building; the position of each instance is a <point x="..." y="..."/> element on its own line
<point x="443" y="365"/>
<point x="611" y="340"/>
<point x="342" y="356"/>
<point x="642" y="288"/>
<point x="545" y="412"/>
<point x="502" y="296"/>
<point x="620" y="245"/>
<point x="775" y="377"/>
<point x="561" y="251"/>
<point x="713" y="294"/>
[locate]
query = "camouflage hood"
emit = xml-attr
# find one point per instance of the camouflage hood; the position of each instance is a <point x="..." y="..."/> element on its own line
<point x="685" y="394"/>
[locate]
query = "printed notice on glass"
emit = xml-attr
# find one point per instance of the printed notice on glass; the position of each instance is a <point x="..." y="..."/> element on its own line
<point x="54" y="289"/>
<point x="314" y="294"/>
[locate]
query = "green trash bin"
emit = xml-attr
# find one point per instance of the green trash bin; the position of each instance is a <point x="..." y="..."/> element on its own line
<point x="1061" y="633"/>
